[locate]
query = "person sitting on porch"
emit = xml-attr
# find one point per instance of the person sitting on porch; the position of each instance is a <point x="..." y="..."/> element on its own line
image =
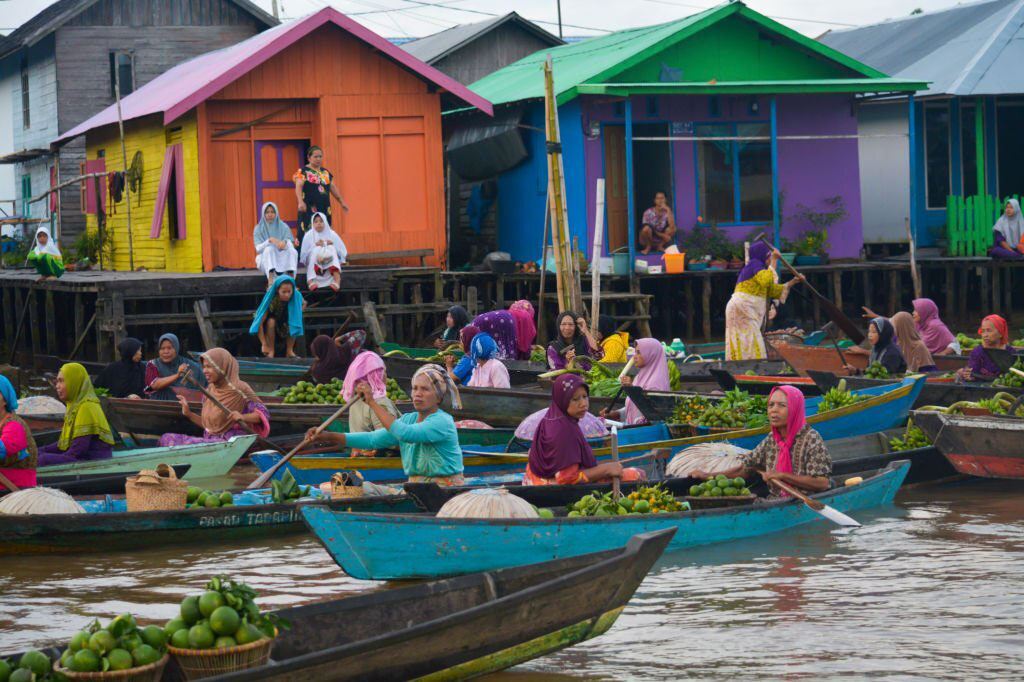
<point x="46" y="256"/>
<point x="427" y="437"/>
<point x="167" y="370"/>
<point x="658" y="225"/>
<point x="279" y="317"/>
<point x="559" y="452"/>
<point x="275" y="244"/>
<point x="323" y="253"/>
<point x="86" y="435"/>
<point x="1008" y="233"/>
<point x="18" y="451"/>
<point x="746" y="310"/>
<point x="995" y="334"/>
<point x="221" y="371"/>
<point x="614" y="343"/>
<point x="314" y="186"/>
<point x="489" y="372"/>
<point x="574" y="341"/>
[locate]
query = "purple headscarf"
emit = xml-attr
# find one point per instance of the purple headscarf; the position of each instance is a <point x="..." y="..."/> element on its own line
<point x="501" y="325"/>
<point x="934" y="333"/>
<point x="758" y="253"/>
<point x="559" y="443"/>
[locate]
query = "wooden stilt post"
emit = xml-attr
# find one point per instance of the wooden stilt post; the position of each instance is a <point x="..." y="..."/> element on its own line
<point x="706" y="308"/>
<point x="373" y="322"/>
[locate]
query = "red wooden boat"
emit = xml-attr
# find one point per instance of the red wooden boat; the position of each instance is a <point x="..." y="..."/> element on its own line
<point x="986" y="446"/>
<point x="825" y="359"/>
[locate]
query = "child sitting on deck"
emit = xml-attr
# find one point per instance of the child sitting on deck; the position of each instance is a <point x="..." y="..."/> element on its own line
<point x="279" y="317"/>
<point x="46" y="256"/>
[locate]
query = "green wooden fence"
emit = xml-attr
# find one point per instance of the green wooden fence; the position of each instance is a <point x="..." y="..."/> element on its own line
<point x="969" y="222"/>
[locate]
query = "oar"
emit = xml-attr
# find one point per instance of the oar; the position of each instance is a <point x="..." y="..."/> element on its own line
<point x="269" y="473"/>
<point x="616" y="480"/>
<point x="835" y="343"/>
<point x="833" y="515"/>
<point x="344" y="325"/>
<point x="245" y="425"/>
<point x="834" y="313"/>
<point x="6" y="482"/>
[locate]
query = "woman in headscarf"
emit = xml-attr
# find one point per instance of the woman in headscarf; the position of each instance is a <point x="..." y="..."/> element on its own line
<point x="573" y="341"/>
<point x="461" y="372"/>
<point x="279" y="317"/>
<point x="427" y="438"/>
<point x="615" y="344"/>
<point x="559" y="452"/>
<point x="45" y="256"/>
<point x="330" y="360"/>
<point x="911" y="346"/>
<point x="502" y="327"/>
<point x="490" y="372"/>
<point x="125" y="378"/>
<point x="457" y="319"/>
<point x="1008" y="233"/>
<point x="18" y="452"/>
<point x="793" y="452"/>
<point x="367" y="375"/>
<point x="884" y="350"/>
<point x="167" y="370"/>
<point x="526" y="329"/>
<point x="995" y="334"/>
<point x="323" y="253"/>
<point x="745" y="313"/>
<point x="275" y="244"/>
<point x="653" y="376"/>
<point x="221" y="371"/>
<point x="86" y="435"/>
<point x="935" y="334"/>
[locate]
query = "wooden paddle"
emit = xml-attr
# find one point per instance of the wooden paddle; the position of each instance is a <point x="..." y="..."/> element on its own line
<point x="835" y="343"/>
<point x="6" y="482"/>
<point x="245" y="425"/>
<point x="616" y="480"/>
<point x="833" y="515"/>
<point x="262" y="479"/>
<point x="833" y="311"/>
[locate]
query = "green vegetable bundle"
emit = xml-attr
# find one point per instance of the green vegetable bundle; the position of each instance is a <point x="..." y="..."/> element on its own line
<point x="1011" y="379"/>
<point x="913" y="438"/>
<point x="876" y="371"/>
<point x="837" y="397"/>
<point x="286" y="489"/>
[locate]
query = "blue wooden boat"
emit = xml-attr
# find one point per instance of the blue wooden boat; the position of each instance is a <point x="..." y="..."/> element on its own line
<point x="108" y="527"/>
<point x="394" y="546"/>
<point x="205" y="459"/>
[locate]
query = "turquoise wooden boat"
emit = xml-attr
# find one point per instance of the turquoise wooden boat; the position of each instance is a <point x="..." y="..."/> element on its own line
<point x="402" y="547"/>
<point x="205" y="460"/>
<point x="108" y="527"/>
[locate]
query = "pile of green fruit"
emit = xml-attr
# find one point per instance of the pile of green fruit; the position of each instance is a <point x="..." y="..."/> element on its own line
<point x="721" y="417"/>
<point x="539" y="354"/>
<point x="286" y="489"/>
<point x="737" y="410"/>
<point x="454" y="350"/>
<point x="646" y="500"/>
<point x="876" y="371"/>
<point x="33" y="666"/>
<point x="837" y="397"/>
<point x="1011" y="379"/>
<point x="913" y="438"/>
<point x="306" y="392"/>
<point x="675" y="379"/>
<point x="967" y="342"/>
<point x="118" y="646"/>
<point x="689" y="409"/>
<point x="198" y="497"/>
<point x="395" y="392"/>
<point x="720" y="486"/>
<point x="1017" y="343"/>
<point x="224" y="616"/>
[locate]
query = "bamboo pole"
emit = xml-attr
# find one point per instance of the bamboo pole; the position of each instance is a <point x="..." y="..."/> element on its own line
<point x="124" y="161"/>
<point x="595" y="258"/>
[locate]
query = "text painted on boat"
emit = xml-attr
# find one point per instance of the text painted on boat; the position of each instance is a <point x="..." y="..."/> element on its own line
<point x="250" y="519"/>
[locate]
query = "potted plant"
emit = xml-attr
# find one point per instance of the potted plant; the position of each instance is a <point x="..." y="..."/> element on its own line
<point x="695" y="245"/>
<point x="737" y="254"/>
<point x="812" y="246"/>
<point x="719" y="247"/>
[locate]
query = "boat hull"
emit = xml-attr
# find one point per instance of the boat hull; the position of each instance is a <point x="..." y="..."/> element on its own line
<point x="205" y="460"/>
<point x="388" y="546"/>
<point x="936" y="390"/>
<point x="988" y="447"/>
<point x="825" y="359"/>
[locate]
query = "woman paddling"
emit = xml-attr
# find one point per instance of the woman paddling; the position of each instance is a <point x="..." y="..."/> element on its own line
<point x="427" y="438"/>
<point x="367" y="375"/>
<point x="793" y="452"/>
<point x="995" y="334"/>
<point x="18" y="454"/>
<point x="125" y="378"/>
<point x="166" y="372"/>
<point x="86" y="435"/>
<point x="746" y="310"/>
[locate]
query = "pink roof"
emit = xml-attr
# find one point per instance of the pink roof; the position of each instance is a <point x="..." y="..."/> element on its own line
<point x="178" y="90"/>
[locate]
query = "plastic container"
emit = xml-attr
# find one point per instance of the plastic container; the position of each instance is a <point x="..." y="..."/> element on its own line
<point x="789" y="256"/>
<point x="620" y="263"/>
<point x="675" y="262"/>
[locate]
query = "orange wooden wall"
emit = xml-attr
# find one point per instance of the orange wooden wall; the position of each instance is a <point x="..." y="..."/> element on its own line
<point x="379" y="125"/>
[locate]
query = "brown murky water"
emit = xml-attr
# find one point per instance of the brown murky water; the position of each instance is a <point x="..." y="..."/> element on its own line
<point x="930" y="588"/>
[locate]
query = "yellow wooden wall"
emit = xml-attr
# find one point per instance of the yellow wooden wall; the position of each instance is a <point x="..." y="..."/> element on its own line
<point x="149" y="135"/>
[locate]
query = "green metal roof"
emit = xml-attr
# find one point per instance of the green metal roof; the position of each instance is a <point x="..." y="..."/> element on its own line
<point x="599" y="59"/>
<point x="885" y="85"/>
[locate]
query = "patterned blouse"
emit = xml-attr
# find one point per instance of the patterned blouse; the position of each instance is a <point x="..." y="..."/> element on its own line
<point x="810" y="456"/>
<point x="762" y="285"/>
<point x="659" y="222"/>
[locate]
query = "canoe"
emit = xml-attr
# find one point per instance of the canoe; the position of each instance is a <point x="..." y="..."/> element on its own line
<point x="108" y="527"/>
<point x="453" y="629"/>
<point x="702" y="370"/>
<point x="92" y="484"/>
<point x="205" y="459"/>
<point x="394" y="546"/>
<point x="824" y="358"/>
<point x="985" y="446"/>
<point x="937" y="390"/>
<point x="761" y="384"/>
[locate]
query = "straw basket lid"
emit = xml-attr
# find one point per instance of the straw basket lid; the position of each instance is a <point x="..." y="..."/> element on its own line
<point x="487" y="503"/>
<point x="40" y="501"/>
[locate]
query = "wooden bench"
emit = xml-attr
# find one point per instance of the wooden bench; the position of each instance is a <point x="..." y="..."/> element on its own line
<point x="422" y="254"/>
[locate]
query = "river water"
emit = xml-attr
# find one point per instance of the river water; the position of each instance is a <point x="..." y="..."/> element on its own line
<point x="930" y="588"/>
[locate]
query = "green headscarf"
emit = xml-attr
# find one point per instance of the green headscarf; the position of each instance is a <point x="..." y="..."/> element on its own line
<point x="84" y="416"/>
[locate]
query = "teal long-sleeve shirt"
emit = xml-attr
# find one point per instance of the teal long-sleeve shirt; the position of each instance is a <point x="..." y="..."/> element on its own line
<point x="429" y="448"/>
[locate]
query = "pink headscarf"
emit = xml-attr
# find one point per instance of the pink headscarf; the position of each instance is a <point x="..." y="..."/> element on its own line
<point x="795" y="421"/>
<point x="653" y="376"/>
<point x="526" y="329"/>
<point x="934" y="333"/>
<point x="368" y="367"/>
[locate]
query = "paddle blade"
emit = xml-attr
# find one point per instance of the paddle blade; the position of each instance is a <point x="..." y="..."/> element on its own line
<point x="838" y="517"/>
<point x="842" y="321"/>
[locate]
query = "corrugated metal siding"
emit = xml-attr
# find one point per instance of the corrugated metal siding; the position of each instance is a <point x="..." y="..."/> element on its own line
<point x="884" y="171"/>
<point x="163" y="13"/>
<point x="502" y="46"/>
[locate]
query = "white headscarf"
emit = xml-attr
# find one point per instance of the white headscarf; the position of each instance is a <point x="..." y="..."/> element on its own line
<point x="51" y="244"/>
<point x="1012" y="228"/>
<point x="312" y="237"/>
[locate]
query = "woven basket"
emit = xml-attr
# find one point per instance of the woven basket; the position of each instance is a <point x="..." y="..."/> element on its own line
<point x="155" y="490"/>
<point x="341" y="486"/>
<point x="144" y="673"/>
<point x="196" y="664"/>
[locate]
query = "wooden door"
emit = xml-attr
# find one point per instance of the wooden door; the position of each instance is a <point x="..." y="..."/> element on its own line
<point x="276" y="162"/>
<point x="616" y="211"/>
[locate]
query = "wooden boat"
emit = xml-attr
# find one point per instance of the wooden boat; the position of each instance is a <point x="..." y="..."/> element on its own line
<point x="937" y="390"/>
<point x="986" y="446"/>
<point x="205" y="459"/>
<point x="108" y="527"/>
<point x="393" y="546"/>
<point x="92" y="484"/>
<point x="825" y="358"/>
<point x="756" y="384"/>
<point x="457" y="628"/>
<point x="702" y="370"/>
